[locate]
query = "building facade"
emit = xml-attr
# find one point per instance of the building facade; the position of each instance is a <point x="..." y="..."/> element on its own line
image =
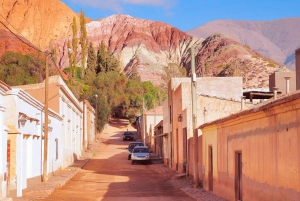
<point x="63" y="101"/>
<point x="254" y="154"/>
<point x="4" y="153"/>
<point x="25" y="142"/>
<point x="216" y="97"/>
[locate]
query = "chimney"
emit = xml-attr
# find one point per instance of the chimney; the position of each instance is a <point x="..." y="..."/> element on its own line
<point x="287" y="84"/>
<point x="275" y="89"/>
<point x="243" y="102"/>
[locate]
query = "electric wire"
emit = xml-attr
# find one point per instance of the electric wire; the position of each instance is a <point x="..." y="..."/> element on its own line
<point x="29" y="45"/>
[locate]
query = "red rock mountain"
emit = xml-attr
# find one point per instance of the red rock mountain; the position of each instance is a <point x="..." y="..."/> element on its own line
<point x="145" y="44"/>
<point x="10" y="42"/>
<point x="276" y="39"/>
<point x="39" y="21"/>
<point x="150" y="45"/>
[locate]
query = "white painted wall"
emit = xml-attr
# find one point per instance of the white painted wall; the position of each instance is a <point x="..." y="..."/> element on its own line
<point x="29" y="149"/>
<point x="3" y="148"/>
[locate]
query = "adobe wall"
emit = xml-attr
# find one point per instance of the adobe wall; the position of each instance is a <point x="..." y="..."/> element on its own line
<point x="277" y="79"/>
<point x="297" y="64"/>
<point x="269" y="142"/>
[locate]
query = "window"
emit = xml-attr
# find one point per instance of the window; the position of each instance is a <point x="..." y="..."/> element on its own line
<point x="56" y="149"/>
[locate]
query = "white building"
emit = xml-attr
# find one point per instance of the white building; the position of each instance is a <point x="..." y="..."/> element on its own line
<point x="25" y="143"/>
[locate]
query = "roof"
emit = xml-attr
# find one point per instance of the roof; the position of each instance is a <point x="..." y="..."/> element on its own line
<point x="156" y="111"/>
<point x="259" y="107"/>
<point x="13" y="130"/>
<point x="259" y="94"/>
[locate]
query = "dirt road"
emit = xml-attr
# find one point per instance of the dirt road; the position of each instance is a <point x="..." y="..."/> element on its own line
<point x="110" y="176"/>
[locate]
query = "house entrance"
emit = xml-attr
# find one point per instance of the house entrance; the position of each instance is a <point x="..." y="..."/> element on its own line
<point x="210" y="168"/>
<point x="238" y="176"/>
<point x="7" y="177"/>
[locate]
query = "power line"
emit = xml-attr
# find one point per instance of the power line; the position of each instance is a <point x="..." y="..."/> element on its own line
<point x="30" y="45"/>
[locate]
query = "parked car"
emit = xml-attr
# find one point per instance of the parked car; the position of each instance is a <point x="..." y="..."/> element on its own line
<point x="128" y="136"/>
<point x="140" y="154"/>
<point x="131" y="147"/>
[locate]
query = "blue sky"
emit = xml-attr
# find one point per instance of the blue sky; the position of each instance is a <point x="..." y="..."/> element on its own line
<point x="189" y="14"/>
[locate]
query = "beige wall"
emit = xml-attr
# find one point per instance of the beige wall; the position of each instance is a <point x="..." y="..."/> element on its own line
<point x="214" y="108"/>
<point x="297" y="63"/>
<point x="277" y="79"/>
<point x="270" y="145"/>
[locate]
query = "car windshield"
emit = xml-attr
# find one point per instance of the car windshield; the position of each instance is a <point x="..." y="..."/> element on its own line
<point x="141" y="150"/>
<point x="131" y="146"/>
<point x="128" y="133"/>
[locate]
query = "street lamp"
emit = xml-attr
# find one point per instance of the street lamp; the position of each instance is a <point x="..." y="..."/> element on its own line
<point x="96" y="113"/>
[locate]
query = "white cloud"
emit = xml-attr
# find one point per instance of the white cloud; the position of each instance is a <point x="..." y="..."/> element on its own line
<point x="116" y="5"/>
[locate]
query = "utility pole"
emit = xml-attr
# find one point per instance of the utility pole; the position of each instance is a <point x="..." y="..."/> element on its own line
<point x="46" y="123"/>
<point x="194" y="117"/>
<point x="96" y="117"/>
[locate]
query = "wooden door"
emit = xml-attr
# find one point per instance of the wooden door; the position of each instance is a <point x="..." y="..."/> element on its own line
<point x="238" y="176"/>
<point x="210" y="168"/>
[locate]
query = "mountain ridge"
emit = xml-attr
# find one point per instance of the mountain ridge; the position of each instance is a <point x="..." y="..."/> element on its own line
<point x="276" y="39"/>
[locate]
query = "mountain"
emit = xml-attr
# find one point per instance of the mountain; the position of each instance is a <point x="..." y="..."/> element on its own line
<point x="14" y="43"/>
<point x="145" y="44"/>
<point x="142" y="44"/>
<point x="276" y="40"/>
<point x="39" y="21"/>
<point x="149" y="45"/>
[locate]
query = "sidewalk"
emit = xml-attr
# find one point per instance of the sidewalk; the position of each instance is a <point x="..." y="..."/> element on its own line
<point x="58" y="179"/>
<point x="41" y="191"/>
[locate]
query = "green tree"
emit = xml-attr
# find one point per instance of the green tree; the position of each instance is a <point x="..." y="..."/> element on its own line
<point x="134" y="75"/>
<point x="19" y="69"/>
<point x="90" y="73"/>
<point x="73" y="68"/>
<point x="83" y="35"/>
<point x="105" y="60"/>
<point x="172" y="70"/>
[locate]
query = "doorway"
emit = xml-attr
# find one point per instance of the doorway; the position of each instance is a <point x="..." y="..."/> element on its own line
<point x="210" y="168"/>
<point x="238" y="176"/>
<point x="7" y="175"/>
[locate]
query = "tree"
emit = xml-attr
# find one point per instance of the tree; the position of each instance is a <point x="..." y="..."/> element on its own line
<point x="105" y="60"/>
<point x="90" y="73"/>
<point x="170" y="71"/>
<point x="83" y="35"/>
<point x="19" y="69"/>
<point x="74" y="49"/>
<point x="101" y="59"/>
<point x="134" y="75"/>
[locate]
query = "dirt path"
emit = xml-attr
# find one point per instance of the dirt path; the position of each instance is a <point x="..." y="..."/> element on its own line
<point x="110" y="176"/>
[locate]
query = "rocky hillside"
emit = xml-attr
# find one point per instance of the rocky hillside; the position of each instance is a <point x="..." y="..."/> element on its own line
<point x="277" y="39"/>
<point x="10" y="42"/>
<point x="146" y="44"/>
<point x="39" y="21"/>
<point x="150" y="45"/>
<point x="220" y="55"/>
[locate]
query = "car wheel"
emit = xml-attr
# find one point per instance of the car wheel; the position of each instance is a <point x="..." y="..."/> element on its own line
<point x="132" y="162"/>
<point x="129" y="156"/>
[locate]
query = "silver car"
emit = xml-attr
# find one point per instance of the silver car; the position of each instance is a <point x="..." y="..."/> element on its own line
<point x="140" y="153"/>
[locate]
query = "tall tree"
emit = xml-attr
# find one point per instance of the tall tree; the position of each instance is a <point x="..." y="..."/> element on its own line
<point x="170" y="71"/>
<point x="90" y="73"/>
<point x="83" y="35"/>
<point x="74" y="49"/>
<point x="101" y="59"/>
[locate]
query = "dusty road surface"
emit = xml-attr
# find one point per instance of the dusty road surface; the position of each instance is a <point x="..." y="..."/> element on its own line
<point x="110" y="176"/>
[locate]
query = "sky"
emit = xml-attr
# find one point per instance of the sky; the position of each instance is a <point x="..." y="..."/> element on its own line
<point x="189" y="14"/>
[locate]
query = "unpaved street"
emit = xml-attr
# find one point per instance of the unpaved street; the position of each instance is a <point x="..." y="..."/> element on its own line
<point x="110" y="176"/>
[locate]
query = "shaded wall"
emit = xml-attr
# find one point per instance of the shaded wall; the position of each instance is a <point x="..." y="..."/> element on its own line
<point x="269" y="142"/>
